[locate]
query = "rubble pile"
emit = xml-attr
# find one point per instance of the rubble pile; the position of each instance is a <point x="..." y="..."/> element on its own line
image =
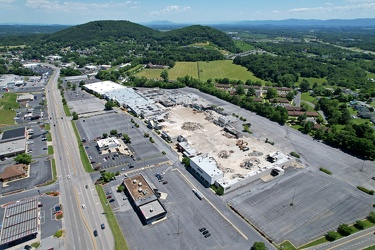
<point x="234" y="176"/>
<point x="224" y="154"/>
<point x="250" y="163"/>
<point x="225" y="170"/>
<point x="191" y="126"/>
<point x="255" y="153"/>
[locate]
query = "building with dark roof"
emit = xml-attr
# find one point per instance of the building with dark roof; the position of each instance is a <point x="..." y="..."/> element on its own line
<point x="14" y="134"/>
<point x="142" y="195"/>
<point x="13" y="172"/>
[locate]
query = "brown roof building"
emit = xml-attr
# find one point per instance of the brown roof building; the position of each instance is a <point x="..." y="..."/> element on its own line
<point x="308" y="113"/>
<point x="13" y="172"/>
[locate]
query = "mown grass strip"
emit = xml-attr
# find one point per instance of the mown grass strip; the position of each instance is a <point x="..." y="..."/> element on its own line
<point x="50" y="150"/>
<point x="84" y="159"/>
<point x="120" y="242"/>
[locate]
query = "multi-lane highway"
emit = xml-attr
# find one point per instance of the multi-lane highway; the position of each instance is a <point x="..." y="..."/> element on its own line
<point x="83" y="212"/>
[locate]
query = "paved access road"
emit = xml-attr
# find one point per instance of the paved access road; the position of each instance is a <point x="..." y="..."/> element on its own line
<point x="79" y="220"/>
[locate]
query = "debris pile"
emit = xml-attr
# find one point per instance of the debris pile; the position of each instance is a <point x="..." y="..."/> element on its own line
<point x="191" y="126"/>
<point x="250" y="163"/>
<point x="224" y="154"/>
<point x="255" y="153"/>
<point x="225" y="170"/>
<point x="234" y="176"/>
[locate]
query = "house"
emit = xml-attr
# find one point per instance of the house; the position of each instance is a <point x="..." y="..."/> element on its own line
<point x="156" y="66"/>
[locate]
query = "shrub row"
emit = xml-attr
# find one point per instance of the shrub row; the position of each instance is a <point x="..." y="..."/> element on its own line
<point x="325" y="170"/>
<point x="370" y="192"/>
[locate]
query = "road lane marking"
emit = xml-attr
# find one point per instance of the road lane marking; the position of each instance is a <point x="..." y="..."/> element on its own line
<point x="84" y="221"/>
<point x="345" y="242"/>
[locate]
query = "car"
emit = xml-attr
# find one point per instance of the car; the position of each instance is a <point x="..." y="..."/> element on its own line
<point x="90" y="157"/>
<point x="373" y="178"/>
<point x="123" y="169"/>
<point x="131" y="166"/>
<point x="95" y="233"/>
<point x="205" y="232"/>
<point x="109" y="196"/>
<point x="202" y="229"/>
<point x="207" y="235"/>
<point x="109" y="192"/>
<point x="83" y="206"/>
<point x="86" y="186"/>
<point x="102" y="226"/>
<point x="40" y="205"/>
<point x="68" y="177"/>
<point x="165" y="182"/>
<point x="111" y="200"/>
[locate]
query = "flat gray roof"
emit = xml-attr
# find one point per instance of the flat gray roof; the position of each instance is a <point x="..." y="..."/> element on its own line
<point x="152" y="209"/>
<point x="20" y="220"/>
<point x="12" y="147"/>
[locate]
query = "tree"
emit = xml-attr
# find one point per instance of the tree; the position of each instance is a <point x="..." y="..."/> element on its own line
<point x="360" y="224"/>
<point x="250" y="92"/>
<point x="240" y="90"/>
<point x="186" y="161"/>
<point x="75" y="115"/>
<point x="344" y="230"/>
<point x="120" y="188"/>
<point x="259" y="246"/>
<point x="23" y="159"/>
<point x="301" y="118"/>
<point x="371" y="217"/>
<point x="332" y="236"/>
<point x="290" y="96"/>
<point x="126" y="138"/>
<point x="105" y="135"/>
<point x="113" y="132"/>
<point x="304" y="85"/>
<point x="271" y="93"/>
<point x="109" y="105"/>
<point x="164" y="75"/>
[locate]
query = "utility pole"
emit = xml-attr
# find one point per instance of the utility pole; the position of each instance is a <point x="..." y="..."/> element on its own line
<point x="291" y="204"/>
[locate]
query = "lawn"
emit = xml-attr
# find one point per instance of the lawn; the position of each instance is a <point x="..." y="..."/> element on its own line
<point x="243" y="46"/>
<point x="8" y="105"/>
<point x="307" y="97"/>
<point x="84" y="159"/>
<point x="120" y="242"/>
<point x="359" y="121"/>
<point x="210" y="69"/>
<point x="224" y="69"/>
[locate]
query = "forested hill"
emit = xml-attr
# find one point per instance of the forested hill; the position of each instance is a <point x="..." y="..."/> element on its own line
<point x="93" y="33"/>
<point x="198" y="33"/>
<point x="99" y="31"/>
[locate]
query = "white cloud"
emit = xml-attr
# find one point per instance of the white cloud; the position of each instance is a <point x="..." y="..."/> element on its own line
<point x="66" y="6"/>
<point x="350" y="7"/>
<point x="6" y="4"/>
<point x="171" y="8"/>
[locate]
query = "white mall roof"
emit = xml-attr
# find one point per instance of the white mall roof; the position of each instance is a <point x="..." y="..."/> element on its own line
<point x="207" y="164"/>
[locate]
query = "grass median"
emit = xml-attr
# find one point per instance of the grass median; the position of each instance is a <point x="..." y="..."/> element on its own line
<point x="84" y="159"/>
<point x="120" y="243"/>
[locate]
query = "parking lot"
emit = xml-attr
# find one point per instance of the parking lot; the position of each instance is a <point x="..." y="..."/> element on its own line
<point x="186" y="214"/>
<point x="40" y="168"/>
<point x="143" y="150"/>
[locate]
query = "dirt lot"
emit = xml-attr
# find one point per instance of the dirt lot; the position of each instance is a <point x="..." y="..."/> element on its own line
<point x="208" y="138"/>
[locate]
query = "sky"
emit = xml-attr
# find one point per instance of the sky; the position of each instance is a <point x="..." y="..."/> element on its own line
<point x="73" y="12"/>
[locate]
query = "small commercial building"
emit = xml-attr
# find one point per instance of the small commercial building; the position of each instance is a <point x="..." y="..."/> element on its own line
<point x="14" y="134"/>
<point x="12" y="148"/>
<point x="25" y="97"/>
<point x="206" y="168"/>
<point x="14" y="172"/>
<point x="143" y="197"/>
<point x="108" y="143"/>
<point x="20" y="222"/>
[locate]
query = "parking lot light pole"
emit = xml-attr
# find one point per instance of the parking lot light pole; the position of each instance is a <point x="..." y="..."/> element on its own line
<point x="291" y="204"/>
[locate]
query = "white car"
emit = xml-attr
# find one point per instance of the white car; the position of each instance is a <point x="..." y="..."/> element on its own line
<point x="68" y="177"/>
<point x="83" y="206"/>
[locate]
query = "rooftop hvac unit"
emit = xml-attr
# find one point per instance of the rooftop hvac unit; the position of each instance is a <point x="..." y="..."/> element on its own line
<point x="140" y="184"/>
<point x="151" y="209"/>
<point x="134" y="181"/>
<point x="140" y="190"/>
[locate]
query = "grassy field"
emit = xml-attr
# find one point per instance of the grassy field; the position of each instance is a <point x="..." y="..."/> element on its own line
<point x="243" y="46"/>
<point x="370" y="75"/>
<point x="306" y="97"/>
<point x="211" y="69"/>
<point x="120" y="243"/>
<point x="222" y="69"/>
<point x="8" y="105"/>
